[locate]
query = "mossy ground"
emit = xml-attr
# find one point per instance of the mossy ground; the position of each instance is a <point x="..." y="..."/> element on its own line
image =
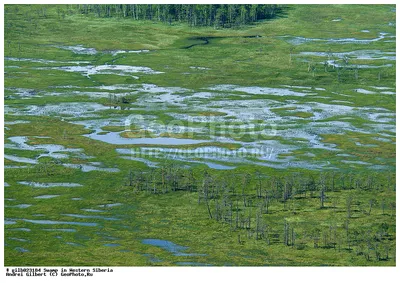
<point x="230" y="59"/>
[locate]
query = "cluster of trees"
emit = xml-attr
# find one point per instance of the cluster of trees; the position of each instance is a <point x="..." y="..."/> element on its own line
<point x="172" y="177"/>
<point x="345" y="71"/>
<point x="244" y="202"/>
<point x="217" y="15"/>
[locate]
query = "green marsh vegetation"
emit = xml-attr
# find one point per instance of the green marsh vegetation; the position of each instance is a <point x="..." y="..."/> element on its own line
<point x="312" y="86"/>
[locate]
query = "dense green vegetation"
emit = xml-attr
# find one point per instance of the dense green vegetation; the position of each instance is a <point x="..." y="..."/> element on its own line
<point x="250" y="204"/>
<point x="192" y="14"/>
<point x="341" y="212"/>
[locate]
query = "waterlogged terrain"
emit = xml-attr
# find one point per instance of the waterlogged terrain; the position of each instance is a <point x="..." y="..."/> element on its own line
<point x="89" y="119"/>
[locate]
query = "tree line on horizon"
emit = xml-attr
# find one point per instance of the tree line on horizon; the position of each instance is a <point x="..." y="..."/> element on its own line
<point x="216" y="15"/>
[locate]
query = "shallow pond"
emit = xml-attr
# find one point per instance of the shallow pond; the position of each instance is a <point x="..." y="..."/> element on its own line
<point x="89" y="168"/>
<point x="44" y="61"/>
<point x="20" y="229"/>
<point x="92" y="210"/>
<point x="356" y="54"/>
<point x="80" y="49"/>
<point x="61" y="230"/>
<point x="115" y="138"/>
<point x="19" y="206"/>
<point x="49" y="185"/>
<point x="22" y="250"/>
<point x="20" y="159"/>
<point x="91" y="217"/>
<point x="177" y="250"/>
<point x="88" y="70"/>
<point x="145" y="161"/>
<point x="108" y="205"/>
<point x="261" y="90"/>
<point x="67" y="109"/>
<point x="53" y="222"/>
<point x="112" y="245"/>
<point x="46" y="196"/>
<point x="298" y="40"/>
